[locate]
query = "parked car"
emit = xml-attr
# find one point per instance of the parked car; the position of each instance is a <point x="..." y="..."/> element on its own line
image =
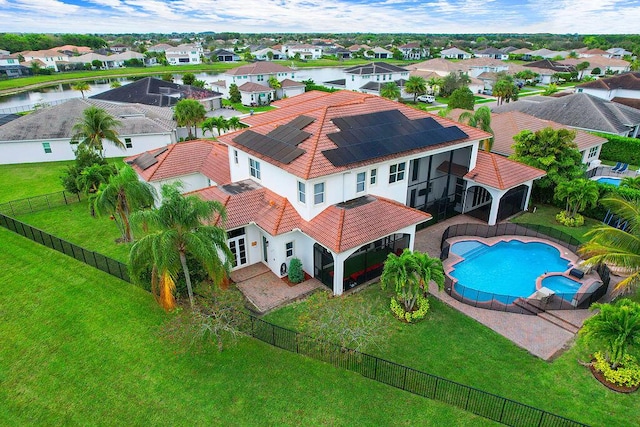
<point x="429" y="99"/>
<point x="487" y="92"/>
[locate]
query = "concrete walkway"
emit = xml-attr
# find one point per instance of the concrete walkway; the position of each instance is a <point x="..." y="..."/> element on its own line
<point x="265" y="291"/>
<point x="541" y="336"/>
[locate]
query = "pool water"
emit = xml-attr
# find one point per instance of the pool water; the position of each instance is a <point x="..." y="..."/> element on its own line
<point x="561" y="284"/>
<point x="609" y="180"/>
<point x="504" y="271"/>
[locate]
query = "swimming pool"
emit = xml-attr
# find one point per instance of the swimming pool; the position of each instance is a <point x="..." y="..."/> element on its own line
<point x="505" y="271"/>
<point x="609" y="180"/>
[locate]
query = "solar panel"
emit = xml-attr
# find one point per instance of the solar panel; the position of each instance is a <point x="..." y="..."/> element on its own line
<point x="270" y="147"/>
<point x="145" y="161"/>
<point x="160" y="151"/>
<point x="301" y="122"/>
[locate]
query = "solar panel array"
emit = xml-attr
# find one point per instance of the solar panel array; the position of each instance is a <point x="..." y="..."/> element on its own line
<point x="145" y="161"/>
<point x="374" y="135"/>
<point x="281" y="144"/>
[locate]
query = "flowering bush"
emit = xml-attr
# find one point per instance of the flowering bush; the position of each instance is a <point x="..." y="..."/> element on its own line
<point x="569" y="221"/>
<point x="627" y="374"/>
<point x="397" y="308"/>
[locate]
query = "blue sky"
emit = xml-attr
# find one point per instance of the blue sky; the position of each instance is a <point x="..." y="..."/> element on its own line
<point x="395" y="16"/>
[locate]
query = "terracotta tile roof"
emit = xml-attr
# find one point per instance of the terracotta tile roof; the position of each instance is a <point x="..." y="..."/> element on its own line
<point x="499" y="172"/>
<point x="204" y="156"/>
<point x="323" y="109"/>
<point x="596" y="61"/>
<point x="261" y="67"/>
<point x="629" y="81"/>
<point x="337" y="228"/>
<point x="290" y="83"/>
<point x="254" y="87"/>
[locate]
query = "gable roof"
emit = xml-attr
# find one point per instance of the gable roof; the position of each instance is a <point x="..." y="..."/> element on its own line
<point x="578" y="110"/>
<point x="204" y="156"/>
<point x="453" y="51"/>
<point x="261" y="67"/>
<point x="499" y="172"/>
<point x="547" y="64"/>
<point x="374" y="68"/>
<point x="324" y="108"/>
<point x="154" y="91"/>
<point x="630" y="81"/>
<point x="254" y="87"/>
<point x="290" y="83"/>
<point x="439" y="64"/>
<point x="597" y="61"/>
<point x="489" y="51"/>
<point x="57" y="121"/>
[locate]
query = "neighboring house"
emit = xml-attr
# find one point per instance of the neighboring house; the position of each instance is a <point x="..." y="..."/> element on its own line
<point x="588" y="53"/>
<point x="44" y="135"/>
<point x="118" y="48"/>
<point x="604" y="64"/>
<point x="618" y="53"/>
<point x="369" y="77"/>
<point x="48" y="58"/>
<point x="476" y="66"/>
<point x="72" y="50"/>
<point x="341" y="180"/>
<point x="119" y="59"/>
<point x="289" y="88"/>
<point x="254" y="94"/>
<point x="491" y="52"/>
<point x="623" y="86"/>
<point x="338" y="52"/>
<point x="440" y="66"/>
<point x="258" y="74"/>
<point x="378" y="53"/>
<point x="547" y="70"/>
<point x="305" y="51"/>
<point x="10" y="67"/>
<point x="88" y="58"/>
<point x="548" y="53"/>
<point x="195" y="164"/>
<point x="454" y="53"/>
<point x="184" y="54"/>
<point x="263" y="54"/>
<point x="159" y="48"/>
<point x="524" y="53"/>
<point x="222" y="55"/>
<point x="154" y="91"/>
<point x="413" y="51"/>
<point x="580" y="111"/>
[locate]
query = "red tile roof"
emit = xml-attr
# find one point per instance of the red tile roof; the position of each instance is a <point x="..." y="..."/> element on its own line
<point x="337" y="228"/>
<point x="323" y="108"/>
<point x="204" y="156"/>
<point x="499" y="172"/>
<point x="254" y="87"/>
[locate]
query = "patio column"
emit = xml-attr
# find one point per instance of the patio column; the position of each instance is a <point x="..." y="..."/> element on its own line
<point x="526" y="200"/>
<point x="338" y="274"/>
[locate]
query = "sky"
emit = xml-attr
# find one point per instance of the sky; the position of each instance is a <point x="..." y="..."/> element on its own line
<point x="322" y="16"/>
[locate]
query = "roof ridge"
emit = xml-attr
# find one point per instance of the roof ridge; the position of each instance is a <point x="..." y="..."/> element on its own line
<point x="495" y="165"/>
<point x="170" y="149"/>
<point x="279" y="219"/>
<point x="315" y="145"/>
<point x="340" y="229"/>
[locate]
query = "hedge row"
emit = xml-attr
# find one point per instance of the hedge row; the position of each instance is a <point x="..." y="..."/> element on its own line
<point x="621" y="149"/>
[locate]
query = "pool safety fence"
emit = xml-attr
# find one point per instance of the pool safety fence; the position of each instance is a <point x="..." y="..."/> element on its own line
<point x="513" y="304"/>
<point x="470" y="399"/>
<point x="39" y="203"/>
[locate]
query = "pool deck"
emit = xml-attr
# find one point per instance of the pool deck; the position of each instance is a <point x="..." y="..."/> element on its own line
<point x="545" y="336"/>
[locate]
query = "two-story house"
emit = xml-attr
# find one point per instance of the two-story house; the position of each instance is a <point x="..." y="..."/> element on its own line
<point x="48" y="57"/>
<point x="184" y="54"/>
<point x="341" y="180"/>
<point x="413" y="51"/>
<point x="491" y="52"/>
<point x="624" y="88"/>
<point x="369" y="78"/>
<point x="303" y="50"/>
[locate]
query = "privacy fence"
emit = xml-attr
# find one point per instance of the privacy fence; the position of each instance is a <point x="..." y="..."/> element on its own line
<point x="491" y="406"/>
<point x="39" y="203"/>
<point x="579" y="299"/>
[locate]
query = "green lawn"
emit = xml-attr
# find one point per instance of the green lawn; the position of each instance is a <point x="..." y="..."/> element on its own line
<point x="546" y="215"/>
<point x="30" y="179"/>
<point x="83" y="348"/>
<point x="454" y="346"/>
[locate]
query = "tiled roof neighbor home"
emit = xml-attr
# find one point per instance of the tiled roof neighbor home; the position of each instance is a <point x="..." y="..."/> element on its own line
<point x="499" y="172"/>
<point x="629" y="102"/>
<point x="73" y="48"/>
<point x="598" y="62"/>
<point x="440" y="65"/>
<point x="153" y="91"/>
<point x="579" y="110"/>
<point x="262" y="67"/>
<point x="629" y="81"/>
<point x="374" y="68"/>
<point x="290" y="83"/>
<point x="254" y="87"/>
<point x="204" y="156"/>
<point x="547" y="64"/>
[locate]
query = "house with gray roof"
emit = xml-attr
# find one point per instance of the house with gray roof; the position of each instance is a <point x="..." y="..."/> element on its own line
<point x="370" y="77"/>
<point x="580" y="111"/>
<point x="45" y="134"/>
<point x="491" y="52"/>
<point x="619" y="88"/>
<point x="454" y="53"/>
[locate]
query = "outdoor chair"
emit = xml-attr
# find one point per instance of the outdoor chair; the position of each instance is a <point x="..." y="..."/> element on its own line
<point x="616" y="167"/>
<point x="623" y="169"/>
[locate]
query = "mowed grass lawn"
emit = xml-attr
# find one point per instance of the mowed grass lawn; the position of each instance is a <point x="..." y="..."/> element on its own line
<point x="82" y="348"/>
<point x="546" y="215"/>
<point x="30" y="179"/>
<point x="454" y="346"/>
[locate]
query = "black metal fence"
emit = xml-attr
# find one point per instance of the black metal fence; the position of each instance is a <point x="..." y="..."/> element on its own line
<point x="488" y="405"/>
<point x="514" y="304"/>
<point x="94" y="259"/>
<point x="39" y="203"/>
<point x="470" y="399"/>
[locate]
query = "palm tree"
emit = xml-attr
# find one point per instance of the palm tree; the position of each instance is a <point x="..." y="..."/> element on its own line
<point x="81" y="86"/>
<point x="188" y="113"/>
<point x="617" y="247"/>
<point x="578" y="194"/>
<point x="410" y="274"/>
<point x="121" y="196"/>
<point x="481" y="119"/>
<point x="390" y="91"/>
<point x="181" y="231"/>
<point x="95" y="126"/>
<point x="220" y="123"/>
<point x="631" y="182"/>
<point x="434" y="85"/>
<point x="207" y="125"/>
<point x="91" y="177"/>
<point x="274" y="84"/>
<point x="235" y="123"/>
<point x="415" y="85"/>
<point x="616" y="326"/>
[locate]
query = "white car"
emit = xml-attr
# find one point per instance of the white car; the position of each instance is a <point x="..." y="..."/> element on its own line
<point x="427" y="98"/>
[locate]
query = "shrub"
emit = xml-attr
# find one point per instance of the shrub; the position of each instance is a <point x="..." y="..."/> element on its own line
<point x="620" y="149"/>
<point x="296" y="274"/>
<point x="397" y="308"/>
<point x="627" y="374"/>
<point x="569" y="221"/>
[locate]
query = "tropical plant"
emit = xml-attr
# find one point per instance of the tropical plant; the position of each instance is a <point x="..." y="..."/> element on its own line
<point x="274" y="83"/>
<point x="415" y="85"/>
<point x="617" y="247"/>
<point x="93" y="176"/>
<point x="616" y="327"/>
<point x="390" y="91"/>
<point x="219" y="123"/>
<point x="505" y="89"/>
<point x="481" y="119"/>
<point x="234" y="94"/>
<point x="188" y="78"/>
<point x="551" y="89"/>
<point x="181" y="230"/>
<point x="453" y="81"/>
<point x="207" y="125"/>
<point x="296" y="273"/>
<point x="410" y="274"/>
<point x="434" y="84"/>
<point x="95" y="126"/>
<point x="577" y="194"/>
<point x="167" y="77"/>
<point x="461" y="98"/>
<point x="84" y="159"/>
<point x="235" y="123"/>
<point x="115" y="84"/>
<point x="631" y="182"/>
<point x="81" y="87"/>
<point x="121" y="196"/>
<point x="188" y="113"/>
